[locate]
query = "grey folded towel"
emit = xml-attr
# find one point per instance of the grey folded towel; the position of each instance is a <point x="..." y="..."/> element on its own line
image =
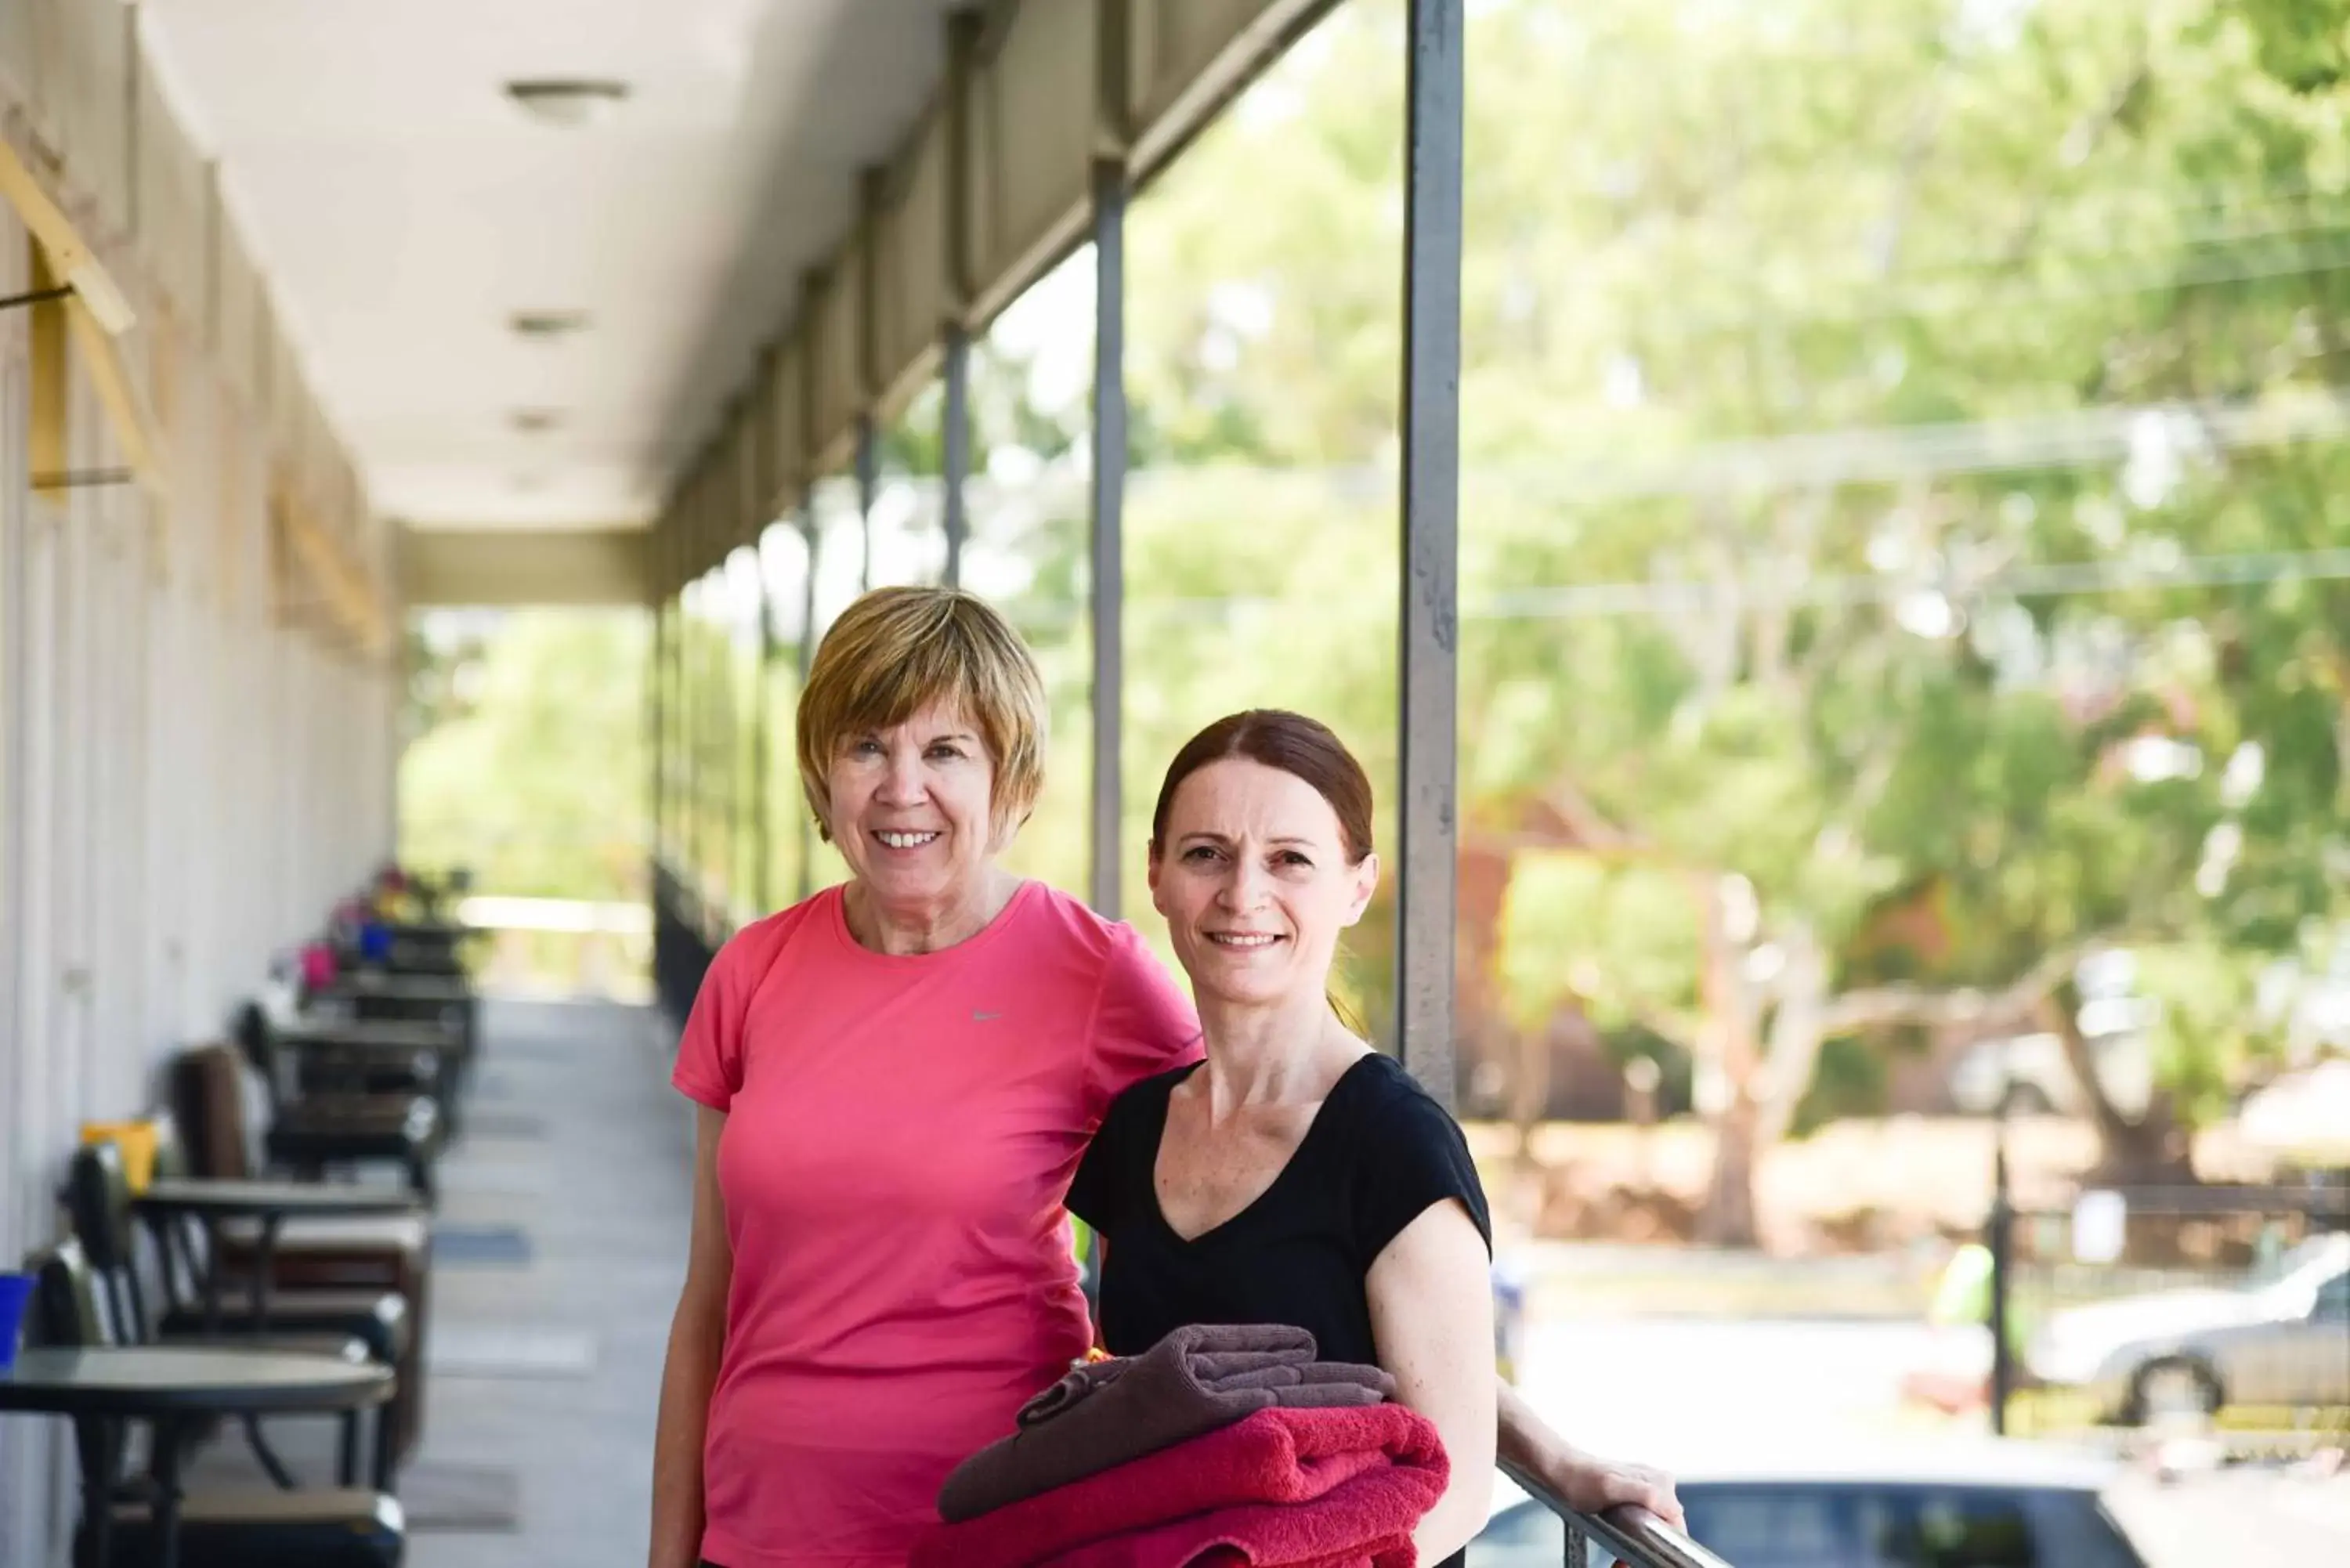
<point x="1106" y="1413"/>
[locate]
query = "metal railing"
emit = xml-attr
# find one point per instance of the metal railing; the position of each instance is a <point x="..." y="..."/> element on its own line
<point x="1630" y="1535"/>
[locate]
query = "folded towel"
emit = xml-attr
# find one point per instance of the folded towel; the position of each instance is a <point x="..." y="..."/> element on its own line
<point x="1216" y="1352"/>
<point x="1365" y="1522"/>
<point x="1220" y="1372"/>
<point x="1103" y="1414"/>
<point x="1275" y="1455"/>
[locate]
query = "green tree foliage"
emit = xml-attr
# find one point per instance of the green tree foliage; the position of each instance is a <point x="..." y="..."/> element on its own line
<point x="1853" y="396"/>
<point x="1902" y="536"/>
<point x="536" y="775"/>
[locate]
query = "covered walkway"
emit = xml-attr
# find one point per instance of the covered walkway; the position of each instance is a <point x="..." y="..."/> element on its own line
<point x="1904" y="586"/>
<point x="315" y="317"/>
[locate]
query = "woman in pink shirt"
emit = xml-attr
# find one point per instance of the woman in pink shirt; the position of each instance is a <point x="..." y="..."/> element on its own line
<point x="896" y="1079"/>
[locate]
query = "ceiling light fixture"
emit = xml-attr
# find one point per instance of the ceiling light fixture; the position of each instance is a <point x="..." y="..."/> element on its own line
<point x="530" y="421"/>
<point x="548" y="323"/>
<point x="567" y="100"/>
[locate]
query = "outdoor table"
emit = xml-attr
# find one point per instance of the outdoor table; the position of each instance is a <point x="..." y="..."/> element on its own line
<point x="372" y="996"/>
<point x="451" y="991"/>
<point x="387" y="1033"/>
<point x="361" y="1042"/>
<point x="429" y="930"/>
<point x="101" y="1387"/>
<point x="431" y="957"/>
<point x="270" y="1204"/>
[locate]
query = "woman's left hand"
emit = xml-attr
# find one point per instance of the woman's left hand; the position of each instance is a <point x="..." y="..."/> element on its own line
<point x="1593" y="1484"/>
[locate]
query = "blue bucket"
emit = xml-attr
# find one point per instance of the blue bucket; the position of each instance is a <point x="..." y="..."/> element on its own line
<point x="15" y="1291"/>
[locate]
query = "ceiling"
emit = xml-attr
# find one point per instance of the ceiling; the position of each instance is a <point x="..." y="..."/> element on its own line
<point x="403" y="208"/>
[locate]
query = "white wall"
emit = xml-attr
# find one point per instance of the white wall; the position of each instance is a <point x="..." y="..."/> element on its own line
<point x="187" y="780"/>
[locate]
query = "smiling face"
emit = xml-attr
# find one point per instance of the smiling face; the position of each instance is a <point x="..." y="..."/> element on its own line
<point x="911" y="807"/>
<point x="1253" y="876"/>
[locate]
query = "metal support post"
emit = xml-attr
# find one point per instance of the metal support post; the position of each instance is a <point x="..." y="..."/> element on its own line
<point x="956" y="440"/>
<point x="762" y="804"/>
<point x="869" y="487"/>
<point x="2003" y="1263"/>
<point x="656" y="712"/>
<point x="804" y="871"/>
<point x="1428" y="671"/>
<point x="1107" y="575"/>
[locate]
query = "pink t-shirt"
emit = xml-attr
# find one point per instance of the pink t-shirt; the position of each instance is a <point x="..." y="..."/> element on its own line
<point x="900" y="1134"/>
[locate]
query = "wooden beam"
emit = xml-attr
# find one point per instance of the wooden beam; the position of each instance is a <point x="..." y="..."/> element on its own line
<point x="77" y="265"/>
<point x="355" y="606"/>
<point x="54" y="322"/>
<point x="47" y="452"/>
<point x="115" y="391"/>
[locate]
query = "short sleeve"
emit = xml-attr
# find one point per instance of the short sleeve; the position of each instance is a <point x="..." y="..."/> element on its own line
<point x="1142" y="1022"/>
<point x="1414" y="1158"/>
<point x="708" y="1068"/>
<point x="1095" y="1192"/>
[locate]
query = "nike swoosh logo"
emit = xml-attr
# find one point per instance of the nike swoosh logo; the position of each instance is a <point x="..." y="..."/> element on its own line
<point x="983" y="1017"/>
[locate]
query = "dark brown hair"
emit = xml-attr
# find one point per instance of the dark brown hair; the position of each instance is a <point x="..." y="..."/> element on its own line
<point x="1295" y="745"/>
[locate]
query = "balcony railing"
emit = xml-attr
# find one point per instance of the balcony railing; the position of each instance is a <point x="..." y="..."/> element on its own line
<point x="1630" y="1535"/>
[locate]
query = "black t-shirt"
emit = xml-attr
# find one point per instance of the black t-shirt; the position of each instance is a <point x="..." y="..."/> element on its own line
<point x="1378" y="1153"/>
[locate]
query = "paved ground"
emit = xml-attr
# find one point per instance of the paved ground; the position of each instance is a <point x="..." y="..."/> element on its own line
<point x="563" y="1226"/>
<point x="577" y="1138"/>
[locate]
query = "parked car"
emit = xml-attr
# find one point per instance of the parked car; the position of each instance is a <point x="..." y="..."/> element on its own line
<point x="1982" y="1503"/>
<point x="2281" y="1338"/>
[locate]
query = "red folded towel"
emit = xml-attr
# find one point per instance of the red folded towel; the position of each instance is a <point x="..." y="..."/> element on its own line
<point x="1283" y="1456"/>
<point x="1106" y="1413"/>
<point x="1365" y="1522"/>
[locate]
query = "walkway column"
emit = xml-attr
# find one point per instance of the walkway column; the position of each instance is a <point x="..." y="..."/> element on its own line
<point x="680" y="791"/>
<point x="1428" y="675"/>
<point x="956" y="440"/>
<point x="726" y="727"/>
<point x="690" y="735"/>
<point x="804" y="872"/>
<point x="1108" y="563"/>
<point x="871" y="188"/>
<point x="962" y="50"/>
<point x="696" y="676"/>
<point x="657" y="737"/>
<point x="763" y="806"/>
<point x="1108" y="560"/>
<point x="869" y="486"/>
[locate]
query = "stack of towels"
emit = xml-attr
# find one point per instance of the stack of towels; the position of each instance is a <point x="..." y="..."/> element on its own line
<point x="1222" y="1446"/>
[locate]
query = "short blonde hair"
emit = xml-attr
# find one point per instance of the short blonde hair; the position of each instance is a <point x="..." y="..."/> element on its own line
<point x="898" y="650"/>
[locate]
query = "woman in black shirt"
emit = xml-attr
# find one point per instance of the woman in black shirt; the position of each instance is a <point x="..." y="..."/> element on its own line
<point x="1295" y="1176"/>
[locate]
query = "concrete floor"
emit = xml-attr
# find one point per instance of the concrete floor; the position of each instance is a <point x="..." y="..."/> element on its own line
<point x="577" y="1138"/>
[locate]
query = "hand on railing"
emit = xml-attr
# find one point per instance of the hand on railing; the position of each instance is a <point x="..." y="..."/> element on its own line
<point x="1635" y="1534"/>
<point x="1595" y="1485"/>
<point x="1641" y="1539"/>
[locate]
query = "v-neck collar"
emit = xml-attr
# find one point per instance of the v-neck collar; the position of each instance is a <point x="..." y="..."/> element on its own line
<point x="1159" y="1137"/>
